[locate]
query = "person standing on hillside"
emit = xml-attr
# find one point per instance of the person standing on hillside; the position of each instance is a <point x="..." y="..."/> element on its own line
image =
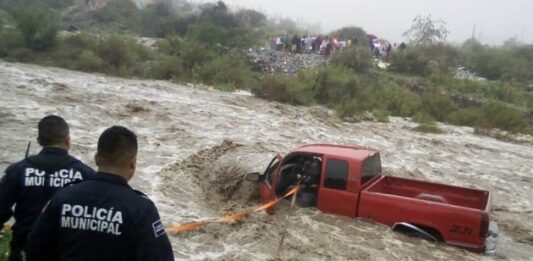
<point x="328" y="47"/>
<point x="295" y="44"/>
<point x="102" y="218"/>
<point x="279" y="44"/>
<point x="30" y="183"/>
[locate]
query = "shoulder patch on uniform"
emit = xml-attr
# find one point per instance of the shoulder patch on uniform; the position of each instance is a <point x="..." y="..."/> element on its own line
<point x="159" y="229"/>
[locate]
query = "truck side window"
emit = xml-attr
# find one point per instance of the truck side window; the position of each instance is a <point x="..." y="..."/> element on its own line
<point x="336" y="174"/>
<point x="371" y="168"/>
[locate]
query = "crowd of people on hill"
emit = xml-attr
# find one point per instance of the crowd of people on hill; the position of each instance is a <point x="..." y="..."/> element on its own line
<point x="383" y="49"/>
<point x="327" y="45"/>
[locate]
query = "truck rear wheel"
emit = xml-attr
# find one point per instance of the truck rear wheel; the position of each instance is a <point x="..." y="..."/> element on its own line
<point x="424" y="232"/>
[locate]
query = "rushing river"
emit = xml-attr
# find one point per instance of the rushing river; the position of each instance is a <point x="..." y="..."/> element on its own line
<point x="196" y="145"/>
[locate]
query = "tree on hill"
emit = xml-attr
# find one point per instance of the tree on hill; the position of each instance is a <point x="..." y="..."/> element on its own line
<point x="37" y="24"/>
<point x="425" y="31"/>
<point x="251" y="18"/>
<point x="351" y="32"/>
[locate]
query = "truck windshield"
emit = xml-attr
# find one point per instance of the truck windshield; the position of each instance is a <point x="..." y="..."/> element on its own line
<point x="371" y="168"/>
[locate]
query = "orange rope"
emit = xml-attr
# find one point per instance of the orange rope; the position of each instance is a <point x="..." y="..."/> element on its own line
<point x="229" y="218"/>
<point x="225" y="219"/>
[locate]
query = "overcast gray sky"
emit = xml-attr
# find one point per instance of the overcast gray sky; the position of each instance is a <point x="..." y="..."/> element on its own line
<point x="496" y="20"/>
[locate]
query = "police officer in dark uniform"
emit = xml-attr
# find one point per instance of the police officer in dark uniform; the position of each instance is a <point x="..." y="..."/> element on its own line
<point x="30" y="183"/>
<point x="102" y="218"/>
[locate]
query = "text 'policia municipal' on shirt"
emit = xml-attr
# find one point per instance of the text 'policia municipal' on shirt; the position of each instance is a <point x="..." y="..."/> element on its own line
<point x="103" y="220"/>
<point x="39" y="178"/>
<point x="30" y="183"/>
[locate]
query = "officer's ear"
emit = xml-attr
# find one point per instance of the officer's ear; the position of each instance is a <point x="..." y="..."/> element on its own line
<point x="133" y="163"/>
<point x="132" y="166"/>
<point x="97" y="159"/>
<point x="67" y="142"/>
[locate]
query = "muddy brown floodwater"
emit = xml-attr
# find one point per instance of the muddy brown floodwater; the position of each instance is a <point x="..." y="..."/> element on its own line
<point x="197" y="145"/>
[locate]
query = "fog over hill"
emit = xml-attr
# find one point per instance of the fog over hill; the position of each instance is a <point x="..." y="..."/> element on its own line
<point x="494" y="20"/>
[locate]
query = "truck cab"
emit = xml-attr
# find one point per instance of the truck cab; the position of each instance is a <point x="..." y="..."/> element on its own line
<point x="349" y="182"/>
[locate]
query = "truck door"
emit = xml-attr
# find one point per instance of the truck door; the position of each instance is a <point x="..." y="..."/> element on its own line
<point x="266" y="184"/>
<point x="334" y="195"/>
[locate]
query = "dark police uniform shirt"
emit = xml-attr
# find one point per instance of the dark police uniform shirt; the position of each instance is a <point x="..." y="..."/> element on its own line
<point x="30" y="183"/>
<point x="100" y="219"/>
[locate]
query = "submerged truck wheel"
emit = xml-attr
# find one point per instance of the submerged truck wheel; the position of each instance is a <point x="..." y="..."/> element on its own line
<point x="423" y="232"/>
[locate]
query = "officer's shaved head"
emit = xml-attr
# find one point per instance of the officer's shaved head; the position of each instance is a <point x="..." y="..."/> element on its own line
<point x="53" y="130"/>
<point x="117" y="146"/>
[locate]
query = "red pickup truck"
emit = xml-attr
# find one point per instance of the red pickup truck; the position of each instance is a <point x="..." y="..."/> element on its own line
<point x="348" y="181"/>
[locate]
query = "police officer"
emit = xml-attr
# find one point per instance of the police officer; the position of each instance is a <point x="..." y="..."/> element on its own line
<point x="30" y="183"/>
<point x="102" y="218"/>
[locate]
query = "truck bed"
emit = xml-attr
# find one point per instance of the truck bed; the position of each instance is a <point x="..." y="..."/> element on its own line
<point x="440" y="193"/>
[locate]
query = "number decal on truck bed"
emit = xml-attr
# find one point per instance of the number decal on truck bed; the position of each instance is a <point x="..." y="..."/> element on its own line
<point x="460" y="230"/>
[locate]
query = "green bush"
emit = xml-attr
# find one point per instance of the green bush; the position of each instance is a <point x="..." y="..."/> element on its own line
<point x="466" y="117"/>
<point x="82" y="41"/>
<point x="349" y="108"/>
<point x="9" y="41"/>
<point x="157" y="20"/>
<point x="428" y="128"/>
<point x="274" y="88"/>
<point x="397" y="100"/>
<point x="229" y="71"/>
<point x="22" y="54"/>
<point x="356" y="58"/>
<point x="443" y="56"/>
<point x="423" y="118"/>
<point x="115" y="52"/>
<point x="410" y="61"/>
<point x="248" y="18"/>
<point x="499" y="63"/>
<point x="333" y="84"/>
<point x="168" y="67"/>
<point x="194" y="54"/>
<point x="37" y="24"/>
<point x="117" y="16"/>
<point x="285" y="89"/>
<point x="352" y="33"/>
<point x="506" y="92"/>
<point x="381" y="115"/>
<point x="426" y="60"/>
<point x="88" y="61"/>
<point x="499" y="115"/>
<point x="209" y="34"/>
<point x="438" y="104"/>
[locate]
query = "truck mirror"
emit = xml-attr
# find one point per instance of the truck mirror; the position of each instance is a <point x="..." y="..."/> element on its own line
<point x="253" y="176"/>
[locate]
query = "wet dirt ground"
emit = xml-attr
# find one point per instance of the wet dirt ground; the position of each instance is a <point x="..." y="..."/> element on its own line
<point x="197" y="145"/>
